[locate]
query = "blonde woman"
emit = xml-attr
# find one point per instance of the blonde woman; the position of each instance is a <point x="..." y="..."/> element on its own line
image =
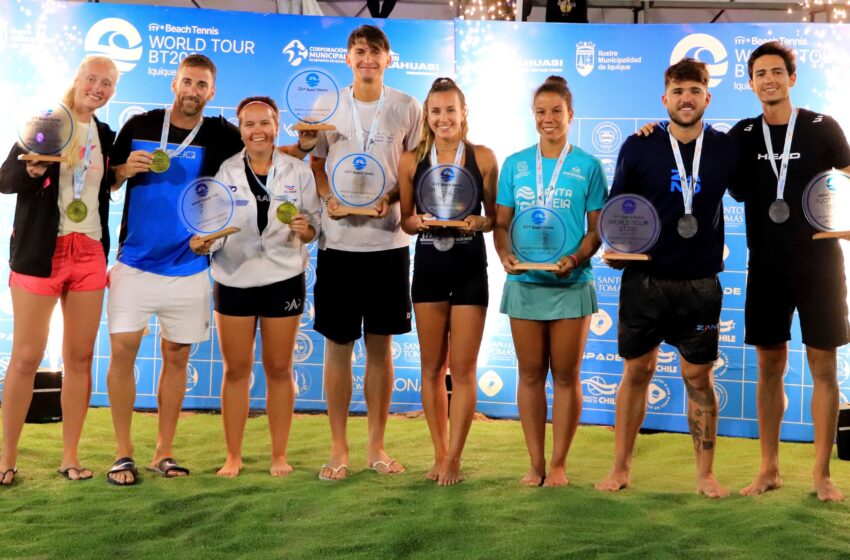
<point x="58" y="253"/>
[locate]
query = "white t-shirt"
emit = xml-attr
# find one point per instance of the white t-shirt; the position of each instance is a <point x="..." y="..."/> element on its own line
<point x="91" y="224"/>
<point x="397" y="132"/>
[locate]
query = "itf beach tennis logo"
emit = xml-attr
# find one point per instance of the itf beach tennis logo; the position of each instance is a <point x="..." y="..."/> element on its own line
<point x="303" y="347"/>
<point x="359" y="163"/>
<point x="606" y="137"/>
<point x="585" y="57"/>
<point x="117" y="39"/>
<point x="490" y="383"/>
<point x="447" y="174"/>
<point x="600" y="322"/>
<point x="538" y="217"/>
<point x="658" y="395"/>
<point x="296" y="51"/>
<point x="705" y="48"/>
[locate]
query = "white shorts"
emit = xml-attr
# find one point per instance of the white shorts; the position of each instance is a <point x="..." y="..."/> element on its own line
<point x="181" y="303"/>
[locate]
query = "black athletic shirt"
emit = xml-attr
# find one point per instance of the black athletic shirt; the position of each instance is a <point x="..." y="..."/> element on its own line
<point x="818" y="145"/>
<point x="646" y="166"/>
<point x="446" y="249"/>
<point x="260" y="194"/>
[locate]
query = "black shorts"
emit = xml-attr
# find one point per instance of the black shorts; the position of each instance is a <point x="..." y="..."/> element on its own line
<point x="683" y="313"/>
<point x="371" y="289"/>
<point x="467" y="287"/>
<point x="281" y="299"/>
<point x="820" y="302"/>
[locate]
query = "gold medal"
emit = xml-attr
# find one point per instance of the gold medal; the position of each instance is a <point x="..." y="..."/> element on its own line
<point x="77" y="211"/>
<point x="286" y="211"/>
<point x="161" y="162"/>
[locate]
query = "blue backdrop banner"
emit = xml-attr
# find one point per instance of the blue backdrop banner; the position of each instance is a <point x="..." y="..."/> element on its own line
<point x="615" y="73"/>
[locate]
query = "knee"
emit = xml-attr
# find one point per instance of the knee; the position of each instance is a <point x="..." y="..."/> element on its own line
<point x="236" y="372"/>
<point x="638" y="373"/>
<point x="565" y="378"/>
<point x="24" y="364"/>
<point x="463" y="376"/>
<point x="532" y="376"/>
<point x="78" y="362"/>
<point x="279" y="372"/>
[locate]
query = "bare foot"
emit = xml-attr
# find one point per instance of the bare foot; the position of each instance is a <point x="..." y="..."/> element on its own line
<point x="615" y="481"/>
<point x="533" y="477"/>
<point x="434" y="473"/>
<point x="557" y="477"/>
<point x="826" y="491"/>
<point x="382" y="463"/>
<point x="280" y="467"/>
<point x="231" y="468"/>
<point x="763" y="482"/>
<point x="450" y="472"/>
<point x="710" y="488"/>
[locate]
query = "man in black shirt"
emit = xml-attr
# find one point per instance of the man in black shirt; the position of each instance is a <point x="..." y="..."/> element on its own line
<point x="683" y="169"/>
<point x="782" y="150"/>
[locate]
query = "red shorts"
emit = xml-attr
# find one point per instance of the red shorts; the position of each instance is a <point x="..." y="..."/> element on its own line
<point x="78" y="266"/>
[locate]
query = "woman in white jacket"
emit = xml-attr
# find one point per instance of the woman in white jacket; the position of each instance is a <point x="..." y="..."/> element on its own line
<point x="259" y="276"/>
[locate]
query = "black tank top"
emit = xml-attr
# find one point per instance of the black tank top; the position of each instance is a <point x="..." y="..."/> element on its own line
<point x="446" y="249"/>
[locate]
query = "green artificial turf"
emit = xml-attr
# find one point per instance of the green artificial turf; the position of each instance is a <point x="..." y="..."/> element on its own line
<point x="369" y="516"/>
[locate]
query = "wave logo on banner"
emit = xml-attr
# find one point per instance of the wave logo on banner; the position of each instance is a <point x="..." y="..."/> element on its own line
<point x="600" y="322"/>
<point x="585" y="58"/>
<point x="296" y="51"/>
<point x="303" y="381"/>
<point x="658" y="395"/>
<point x="103" y="37"/>
<point x="191" y="377"/>
<point x="695" y="45"/>
<point x="490" y="383"/>
<point x="597" y="387"/>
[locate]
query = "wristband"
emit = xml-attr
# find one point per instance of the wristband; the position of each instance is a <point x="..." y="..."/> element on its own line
<point x="327" y="199"/>
<point x="303" y="150"/>
<point x="574" y="259"/>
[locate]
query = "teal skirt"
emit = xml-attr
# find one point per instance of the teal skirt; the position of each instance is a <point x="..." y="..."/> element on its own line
<point x="548" y="302"/>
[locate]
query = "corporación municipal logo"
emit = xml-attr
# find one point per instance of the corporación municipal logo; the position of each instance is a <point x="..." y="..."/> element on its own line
<point x="585" y="57"/>
<point x="490" y="383"/>
<point x="606" y="137"/>
<point x="117" y="39"/>
<point x="296" y="51"/>
<point x="658" y="395"/>
<point x="705" y="48"/>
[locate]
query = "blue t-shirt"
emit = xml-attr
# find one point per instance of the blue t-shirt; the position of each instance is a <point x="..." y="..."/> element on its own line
<point x="152" y="236"/>
<point x="581" y="188"/>
<point x="646" y="166"/>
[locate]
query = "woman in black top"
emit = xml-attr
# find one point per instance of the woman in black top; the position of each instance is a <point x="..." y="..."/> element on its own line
<point x="449" y="290"/>
<point x="59" y="246"/>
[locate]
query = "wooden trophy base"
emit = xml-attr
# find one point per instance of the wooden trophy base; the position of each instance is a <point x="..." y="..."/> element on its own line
<point x="536" y="266"/>
<point x="47" y="159"/>
<point x="359" y="210"/>
<point x="312" y="126"/>
<point x="612" y="256"/>
<point x="831" y="235"/>
<point x="219" y="234"/>
<point x="445" y="223"/>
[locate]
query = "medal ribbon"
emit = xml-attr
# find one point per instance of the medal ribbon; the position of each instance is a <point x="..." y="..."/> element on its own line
<point x="269" y="177"/>
<point x="82" y="170"/>
<point x="458" y="155"/>
<point x="689" y="184"/>
<point x="163" y="139"/>
<point x="358" y="126"/>
<point x="545" y="199"/>
<point x="782" y="173"/>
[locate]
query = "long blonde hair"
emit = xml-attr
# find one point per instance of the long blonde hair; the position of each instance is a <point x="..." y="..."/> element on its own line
<point x="426" y="136"/>
<point x="68" y="101"/>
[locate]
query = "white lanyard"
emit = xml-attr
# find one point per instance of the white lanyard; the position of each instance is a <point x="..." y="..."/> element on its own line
<point x="458" y="154"/>
<point x="82" y="170"/>
<point x="358" y="126"/>
<point x="163" y="139"/>
<point x="782" y="173"/>
<point x="689" y="185"/>
<point x="546" y="199"/>
<point x="269" y="177"/>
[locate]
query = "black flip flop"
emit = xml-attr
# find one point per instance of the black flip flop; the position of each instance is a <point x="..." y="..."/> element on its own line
<point x="3" y="474"/>
<point x="66" y="472"/>
<point x="167" y="466"/>
<point x="124" y="464"/>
